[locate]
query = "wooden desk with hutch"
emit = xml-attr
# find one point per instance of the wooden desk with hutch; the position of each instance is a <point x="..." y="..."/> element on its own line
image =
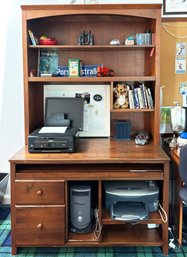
<point x="40" y="182"/>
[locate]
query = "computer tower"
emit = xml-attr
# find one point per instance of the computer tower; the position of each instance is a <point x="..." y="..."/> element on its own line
<point x="81" y="209"/>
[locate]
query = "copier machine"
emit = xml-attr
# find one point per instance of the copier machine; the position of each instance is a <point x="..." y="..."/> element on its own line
<point x="131" y="200"/>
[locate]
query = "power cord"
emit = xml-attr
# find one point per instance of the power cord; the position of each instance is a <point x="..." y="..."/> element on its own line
<point x="165" y="217"/>
<point x="171" y="242"/>
<point x="97" y="226"/>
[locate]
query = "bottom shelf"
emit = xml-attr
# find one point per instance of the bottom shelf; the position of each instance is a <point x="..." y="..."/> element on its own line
<point x="82" y="237"/>
<point x="128" y="234"/>
<point x="114" y="235"/>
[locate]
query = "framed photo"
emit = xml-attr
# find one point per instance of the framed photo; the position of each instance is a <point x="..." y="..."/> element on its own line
<point x="175" y="7"/>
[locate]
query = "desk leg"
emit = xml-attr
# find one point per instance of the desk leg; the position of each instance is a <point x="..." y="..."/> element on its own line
<point x="166" y="207"/>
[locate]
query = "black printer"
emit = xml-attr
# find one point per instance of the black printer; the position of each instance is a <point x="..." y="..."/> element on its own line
<point x="53" y="142"/>
<point x="60" y="112"/>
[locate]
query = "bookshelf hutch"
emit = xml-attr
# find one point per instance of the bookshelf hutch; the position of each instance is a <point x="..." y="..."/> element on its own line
<point x="40" y="182"/>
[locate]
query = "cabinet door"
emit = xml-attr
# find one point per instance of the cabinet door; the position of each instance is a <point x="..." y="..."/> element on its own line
<point x="39" y="192"/>
<point x="37" y="226"/>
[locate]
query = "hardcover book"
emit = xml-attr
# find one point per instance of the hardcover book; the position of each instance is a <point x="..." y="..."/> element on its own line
<point x="48" y="62"/>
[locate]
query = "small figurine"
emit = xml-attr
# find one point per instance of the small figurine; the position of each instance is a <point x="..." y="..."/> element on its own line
<point x="115" y="42"/>
<point x="142" y="138"/>
<point x="86" y="38"/>
<point x="104" y="72"/>
<point x="130" y="40"/>
<point x="81" y="38"/>
<point x="121" y="96"/>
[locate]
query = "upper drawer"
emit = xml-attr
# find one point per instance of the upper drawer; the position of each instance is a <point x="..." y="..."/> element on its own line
<point x="39" y="192"/>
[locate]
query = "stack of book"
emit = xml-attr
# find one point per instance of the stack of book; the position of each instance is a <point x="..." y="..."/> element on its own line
<point x="140" y="97"/>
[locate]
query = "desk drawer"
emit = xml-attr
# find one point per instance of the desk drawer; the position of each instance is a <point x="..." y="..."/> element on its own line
<point x="40" y="225"/>
<point x="39" y="192"/>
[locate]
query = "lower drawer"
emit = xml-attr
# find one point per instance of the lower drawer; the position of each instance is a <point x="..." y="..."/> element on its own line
<point x="36" y="226"/>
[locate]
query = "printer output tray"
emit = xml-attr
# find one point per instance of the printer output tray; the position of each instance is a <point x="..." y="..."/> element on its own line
<point x="129" y="211"/>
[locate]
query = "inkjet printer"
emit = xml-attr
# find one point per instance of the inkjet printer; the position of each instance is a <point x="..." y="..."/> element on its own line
<point x="60" y="113"/>
<point x="131" y="200"/>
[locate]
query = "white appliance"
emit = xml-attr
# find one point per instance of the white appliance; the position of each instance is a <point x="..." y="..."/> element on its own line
<point x="96" y="108"/>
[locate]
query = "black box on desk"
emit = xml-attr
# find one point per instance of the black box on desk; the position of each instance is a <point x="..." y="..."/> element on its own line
<point x="122" y="130"/>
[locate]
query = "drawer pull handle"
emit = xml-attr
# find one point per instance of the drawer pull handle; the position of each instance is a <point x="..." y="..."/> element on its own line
<point x="39" y="192"/>
<point x="39" y="226"/>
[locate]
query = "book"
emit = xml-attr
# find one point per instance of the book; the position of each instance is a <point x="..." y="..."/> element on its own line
<point x="140" y="98"/>
<point x="136" y="99"/>
<point x="74" y="67"/>
<point x="131" y="99"/>
<point x="150" y="98"/>
<point x="32" y="37"/>
<point x="143" y="88"/>
<point x="48" y="62"/>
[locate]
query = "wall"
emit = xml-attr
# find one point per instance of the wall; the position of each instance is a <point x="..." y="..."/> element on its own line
<point x="11" y="88"/>
<point x="168" y="52"/>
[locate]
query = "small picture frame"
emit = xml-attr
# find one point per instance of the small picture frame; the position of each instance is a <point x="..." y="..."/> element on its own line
<point x="74" y="67"/>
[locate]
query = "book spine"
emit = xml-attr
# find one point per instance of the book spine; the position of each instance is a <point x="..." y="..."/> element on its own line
<point x="153" y="39"/>
<point x="136" y="99"/>
<point x="131" y="99"/>
<point x="148" y="100"/>
<point x="140" y="98"/>
<point x="150" y="97"/>
<point x="32" y="37"/>
<point x="144" y="95"/>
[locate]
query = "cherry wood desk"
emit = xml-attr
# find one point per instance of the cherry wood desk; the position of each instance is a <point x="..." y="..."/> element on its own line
<point x="40" y="194"/>
<point x="177" y="205"/>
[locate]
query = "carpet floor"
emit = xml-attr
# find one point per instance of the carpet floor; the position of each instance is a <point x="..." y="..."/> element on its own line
<point x="5" y="246"/>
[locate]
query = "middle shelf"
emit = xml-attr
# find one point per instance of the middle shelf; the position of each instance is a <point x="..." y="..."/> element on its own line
<point x="94" y="80"/>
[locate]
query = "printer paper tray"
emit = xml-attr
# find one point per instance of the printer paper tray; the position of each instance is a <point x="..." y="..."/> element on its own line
<point x="129" y="211"/>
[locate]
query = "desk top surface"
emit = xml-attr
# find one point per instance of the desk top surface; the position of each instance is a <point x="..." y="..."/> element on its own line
<point x="100" y="150"/>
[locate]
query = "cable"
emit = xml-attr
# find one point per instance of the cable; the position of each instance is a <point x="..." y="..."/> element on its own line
<point x="170" y="33"/>
<point x="97" y="226"/>
<point x="165" y="214"/>
<point x="172" y="241"/>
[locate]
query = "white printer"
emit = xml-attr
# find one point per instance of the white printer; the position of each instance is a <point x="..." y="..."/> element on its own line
<point x="131" y="200"/>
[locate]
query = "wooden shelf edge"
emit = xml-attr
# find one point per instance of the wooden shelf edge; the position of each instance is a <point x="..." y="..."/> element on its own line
<point x="91" y="79"/>
<point x="93" y="47"/>
<point x="131" y="110"/>
<point x="153" y="219"/>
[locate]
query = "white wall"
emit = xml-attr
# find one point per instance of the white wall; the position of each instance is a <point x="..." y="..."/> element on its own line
<point x="11" y="82"/>
<point x="11" y="93"/>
